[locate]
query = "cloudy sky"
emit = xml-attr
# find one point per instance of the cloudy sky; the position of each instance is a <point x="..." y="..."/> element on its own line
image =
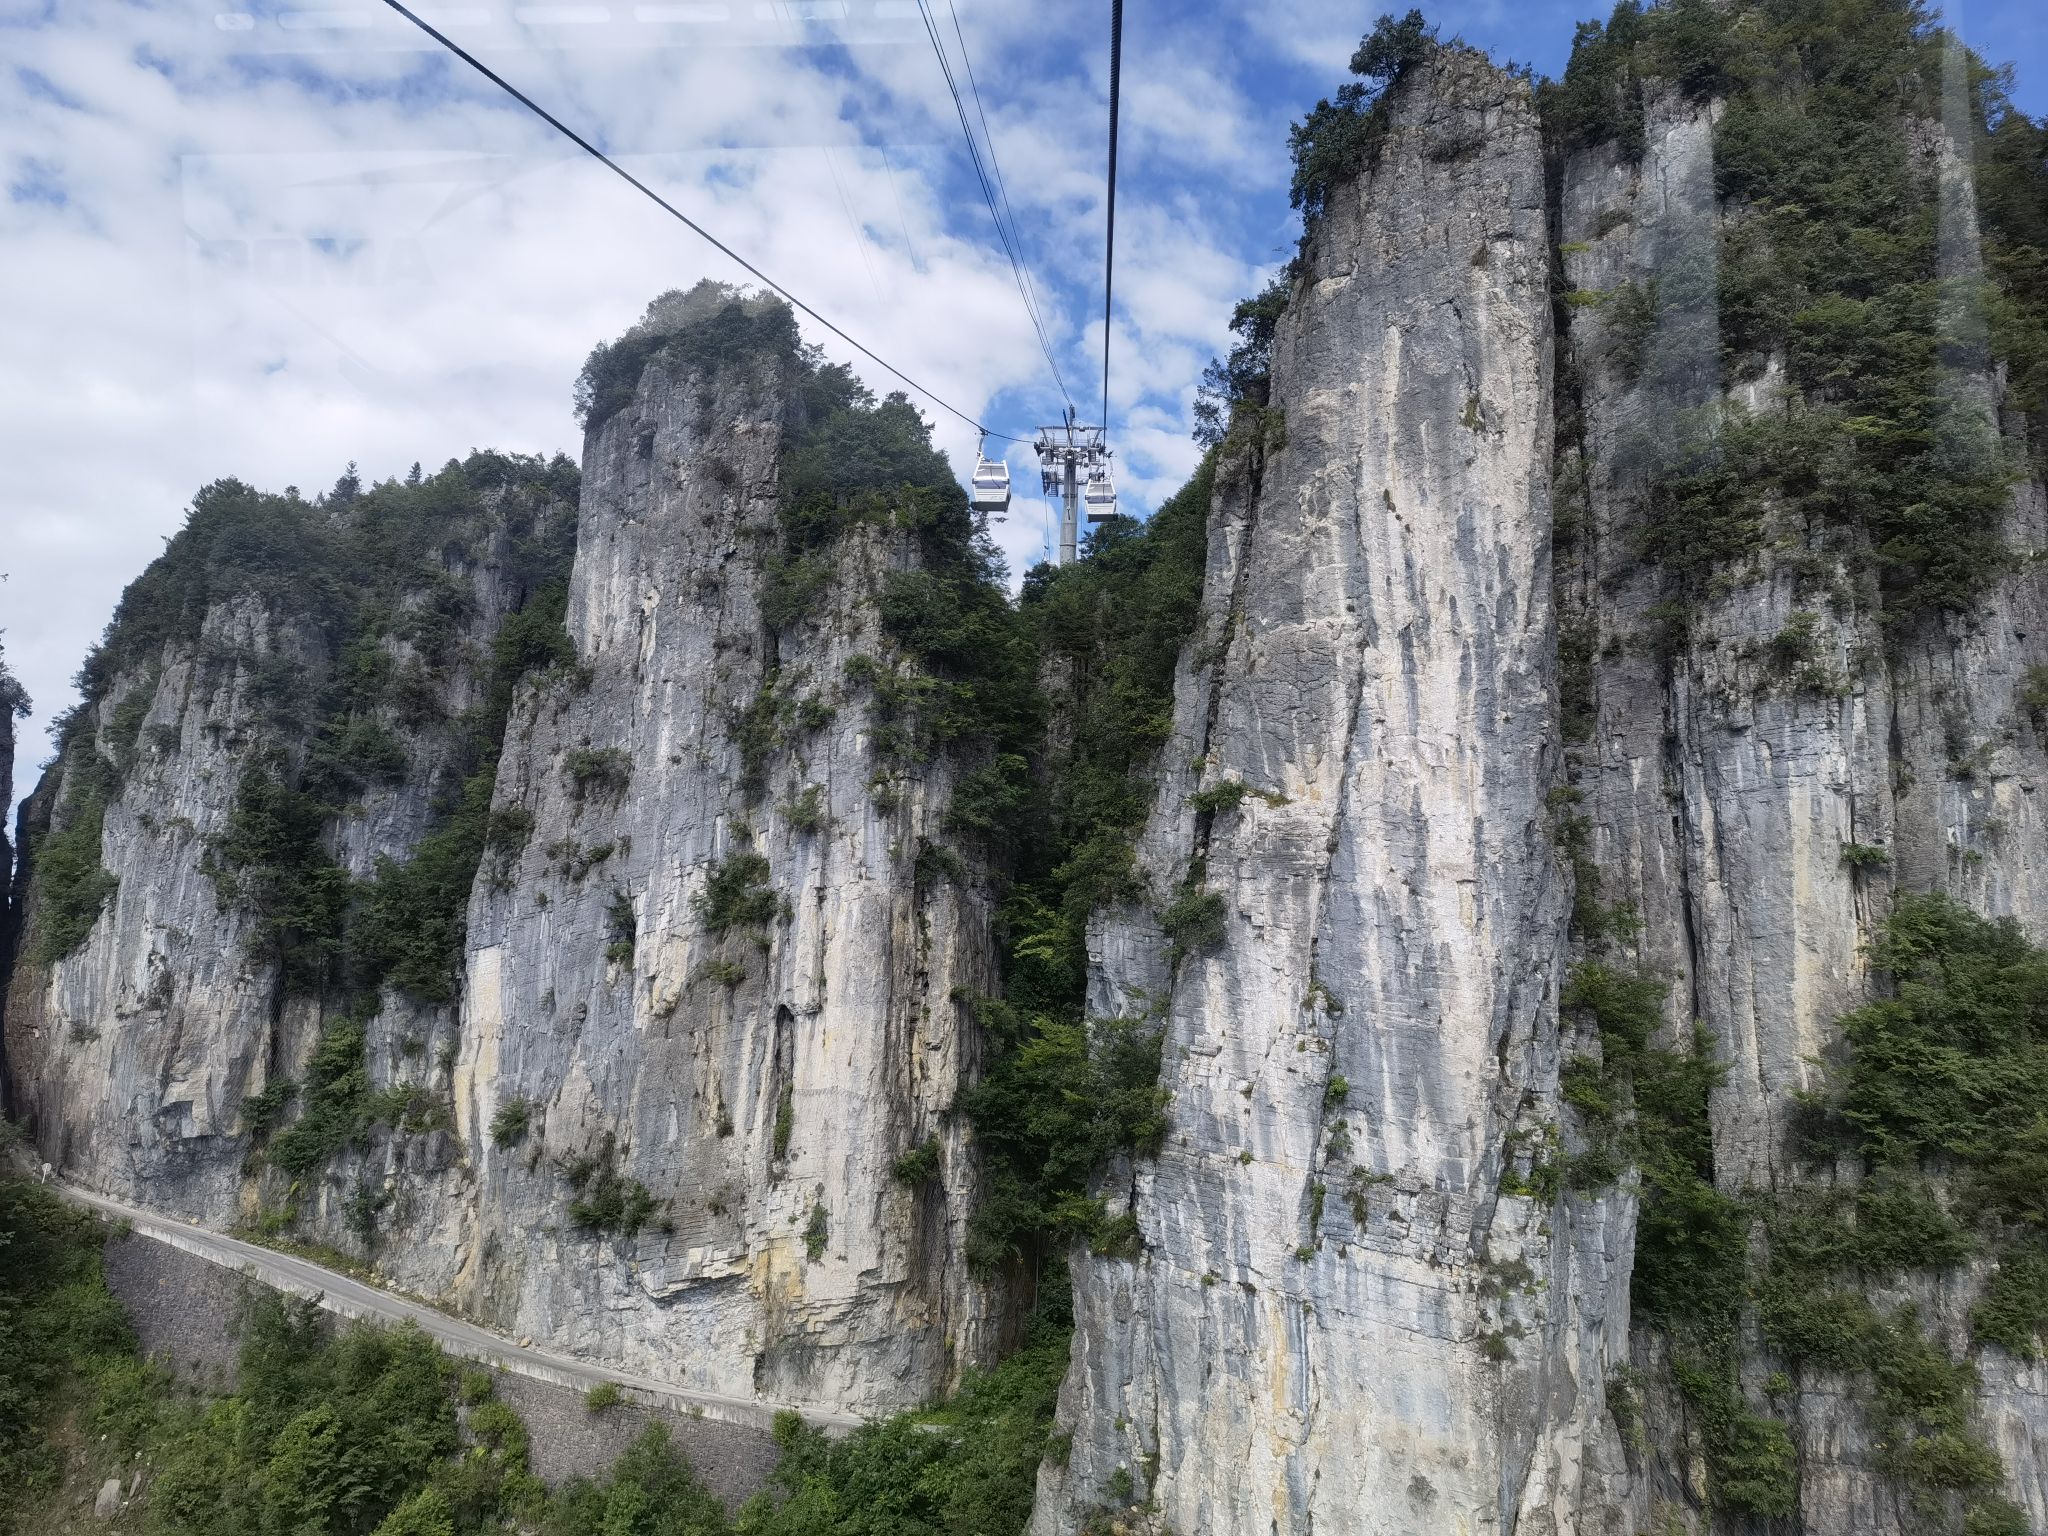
<point x="263" y="240"/>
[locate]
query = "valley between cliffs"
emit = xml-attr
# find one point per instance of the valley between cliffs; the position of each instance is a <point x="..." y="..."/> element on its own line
<point x="1481" y="971"/>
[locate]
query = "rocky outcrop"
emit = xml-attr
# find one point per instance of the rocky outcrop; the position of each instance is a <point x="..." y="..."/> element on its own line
<point x="137" y="1040"/>
<point x="1345" y="1297"/>
<point x="710" y="990"/>
<point x="13" y="704"/>
<point x="1758" y="805"/>
<point x="724" y="964"/>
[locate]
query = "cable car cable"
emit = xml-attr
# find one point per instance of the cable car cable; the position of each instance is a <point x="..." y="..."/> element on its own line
<point x="1002" y="186"/>
<point x="1010" y="245"/>
<point x="683" y="218"/>
<point x="1116" y="53"/>
<point x="1012" y="242"/>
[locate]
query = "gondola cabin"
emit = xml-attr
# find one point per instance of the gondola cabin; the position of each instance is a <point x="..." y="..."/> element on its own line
<point x="1100" y="497"/>
<point x="991" y="486"/>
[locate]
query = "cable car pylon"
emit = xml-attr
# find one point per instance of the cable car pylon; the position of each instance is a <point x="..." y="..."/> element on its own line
<point x="1072" y="457"/>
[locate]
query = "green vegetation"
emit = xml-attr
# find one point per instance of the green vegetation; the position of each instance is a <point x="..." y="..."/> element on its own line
<point x="806" y="813"/>
<point x="737" y="894"/>
<point x="649" y="1491"/>
<point x="72" y="887"/>
<point x="1236" y="391"/>
<point x="1340" y="139"/>
<point x="335" y="1100"/>
<point x="600" y="771"/>
<point x="1954" y="1065"/>
<point x="509" y="1124"/>
<point x="14" y="700"/>
<point x="710" y="329"/>
<point x="358" y="1432"/>
<point x="622" y="925"/>
<point x="272" y="862"/>
<point x="351" y="1430"/>
<point x="856" y="463"/>
<point x="1827" y="260"/>
<point x="723" y="973"/>
<point x="918" y="1166"/>
<point x="605" y="1200"/>
<point x="1116" y="623"/>
<point x="1937" y="1094"/>
<point x="63" y="1337"/>
<point x="328" y="1435"/>
<point x="1057" y="1106"/>
<point x="362" y="574"/>
<point x="1225" y="796"/>
<point x="785" y="1121"/>
<point x="1194" y="920"/>
<point x="970" y="1465"/>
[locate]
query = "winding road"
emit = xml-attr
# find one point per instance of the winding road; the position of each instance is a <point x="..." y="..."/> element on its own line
<point x="353" y="1298"/>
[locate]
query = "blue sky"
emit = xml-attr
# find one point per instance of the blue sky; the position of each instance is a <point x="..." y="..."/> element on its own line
<point x="261" y="240"/>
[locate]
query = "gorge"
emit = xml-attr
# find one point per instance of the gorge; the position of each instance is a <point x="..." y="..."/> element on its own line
<point x="1480" y="971"/>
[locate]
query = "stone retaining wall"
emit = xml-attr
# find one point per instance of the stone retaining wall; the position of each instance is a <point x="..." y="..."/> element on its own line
<point x="187" y="1311"/>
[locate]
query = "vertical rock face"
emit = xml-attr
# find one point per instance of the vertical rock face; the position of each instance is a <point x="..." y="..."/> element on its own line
<point x="134" y="1050"/>
<point x="681" y="1093"/>
<point x="1728" y="791"/>
<point x="707" y="997"/>
<point x="136" y="1040"/>
<point x="1346" y="1299"/>
<point x="720" y="965"/>
<point x="13" y="702"/>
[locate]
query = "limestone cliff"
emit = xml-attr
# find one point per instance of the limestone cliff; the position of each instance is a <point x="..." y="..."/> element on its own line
<point x="1770" y="759"/>
<point x="166" y="964"/>
<point x="1391" y="1270"/>
<point x="724" y="962"/>
<point x="14" y="702"/>
<point x="1346" y="1298"/>
<point x="1585" y="903"/>
<point x="592" y="982"/>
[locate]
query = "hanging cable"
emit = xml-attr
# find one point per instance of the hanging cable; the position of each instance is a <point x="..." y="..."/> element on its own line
<point x="1010" y="247"/>
<point x="1002" y="187"/>
<point x="1116" y="55"/>
<point x="676" y="213"/>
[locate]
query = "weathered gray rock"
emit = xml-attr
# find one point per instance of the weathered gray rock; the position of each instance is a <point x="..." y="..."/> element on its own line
<point x="759" y="1082"/>
<point x="1722" y="792"/>
<point x="1338" y="1308"/>
<point x="12" y="698"/>
<point x="134" y="1053"/>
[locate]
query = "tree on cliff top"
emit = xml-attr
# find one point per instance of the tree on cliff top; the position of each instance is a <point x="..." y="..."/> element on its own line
<point x="710" y="325"/>
<point x="1340" y="138"/>
<point x="13" y="697"/>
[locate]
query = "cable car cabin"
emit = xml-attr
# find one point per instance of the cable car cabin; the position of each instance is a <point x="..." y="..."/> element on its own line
<point x="991" y="486"/>
<point x="1100" y="497"/>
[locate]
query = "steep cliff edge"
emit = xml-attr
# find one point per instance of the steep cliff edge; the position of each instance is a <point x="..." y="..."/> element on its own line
<point x="1713" y="1211"/>
<point x="722" y="972"/>
<point x="14" y="705"/>
<point x="286" y="706"/>
<point x="595" y="980"/>
<point x="1346" y="1296"/>
<point x="1802" y="625"/>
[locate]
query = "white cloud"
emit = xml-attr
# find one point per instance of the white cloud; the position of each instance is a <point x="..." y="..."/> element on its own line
<point x="225" y="257"/>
